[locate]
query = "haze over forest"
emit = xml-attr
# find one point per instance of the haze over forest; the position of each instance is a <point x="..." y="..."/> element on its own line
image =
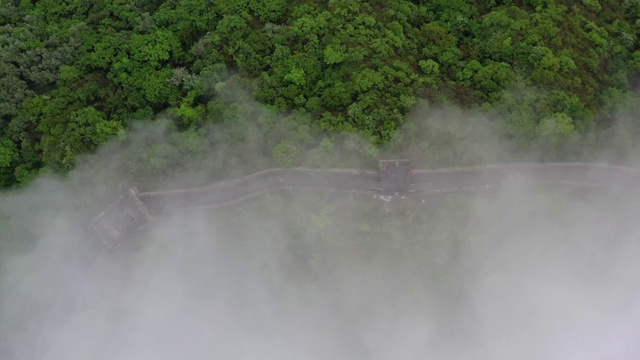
<point x="99" y="95"/>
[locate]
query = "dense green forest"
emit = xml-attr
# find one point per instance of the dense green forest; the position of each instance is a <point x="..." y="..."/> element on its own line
<point x="551" y="74"/>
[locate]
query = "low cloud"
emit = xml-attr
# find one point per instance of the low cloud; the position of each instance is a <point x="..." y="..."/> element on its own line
<point x="522" y="272"/>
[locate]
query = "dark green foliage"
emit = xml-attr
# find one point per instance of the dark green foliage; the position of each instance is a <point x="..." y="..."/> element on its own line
<point x="76" y="74"/>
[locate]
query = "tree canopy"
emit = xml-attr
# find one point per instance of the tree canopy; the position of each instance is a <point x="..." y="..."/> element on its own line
<point x="77" y="74"/>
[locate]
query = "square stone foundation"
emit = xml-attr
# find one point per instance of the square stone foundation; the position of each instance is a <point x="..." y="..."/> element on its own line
<point x="395" y="176"/>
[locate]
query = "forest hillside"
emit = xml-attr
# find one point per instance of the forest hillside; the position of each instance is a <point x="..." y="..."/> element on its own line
<point x="550" y="74"/>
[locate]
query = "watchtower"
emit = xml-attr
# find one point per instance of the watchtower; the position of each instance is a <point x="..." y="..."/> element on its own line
<point x="122" y="218"/>
<point x="395" y="176"/>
